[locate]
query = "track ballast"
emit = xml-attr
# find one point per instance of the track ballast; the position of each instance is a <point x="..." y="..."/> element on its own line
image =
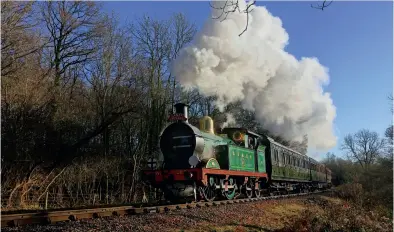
<point x="50" y="217"/>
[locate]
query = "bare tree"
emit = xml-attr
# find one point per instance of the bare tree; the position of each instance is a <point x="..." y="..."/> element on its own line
<point x="231" y="6"/>
<point x="364" y="147"/>
<point x="71" y="25"/>
<point x="390" y="141"/>
<point x="17" y="37"/>
<point x="158" y="43"/>
<point x="183" y="32"/>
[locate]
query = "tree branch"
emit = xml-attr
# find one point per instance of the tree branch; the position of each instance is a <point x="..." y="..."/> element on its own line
<point x="325" y="4"/>
<point x="230" y="6"/>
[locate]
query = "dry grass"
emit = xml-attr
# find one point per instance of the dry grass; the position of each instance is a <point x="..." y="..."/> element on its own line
<point x="322" y="213"/>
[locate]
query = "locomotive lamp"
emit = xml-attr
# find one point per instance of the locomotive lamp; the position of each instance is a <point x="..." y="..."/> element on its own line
<point x="194" y="160"/>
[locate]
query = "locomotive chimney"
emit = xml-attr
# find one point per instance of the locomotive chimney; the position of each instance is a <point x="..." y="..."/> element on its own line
<point x="181" y="108"/>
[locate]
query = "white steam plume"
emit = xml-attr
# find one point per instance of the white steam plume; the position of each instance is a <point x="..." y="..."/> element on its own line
<point x="286" y="94"/>
<point x="230" y="120"/>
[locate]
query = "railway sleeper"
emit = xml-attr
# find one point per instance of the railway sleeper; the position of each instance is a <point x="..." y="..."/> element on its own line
<point x="25" y="221"/>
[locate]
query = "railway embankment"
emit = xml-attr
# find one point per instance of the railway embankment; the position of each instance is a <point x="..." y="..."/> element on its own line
<point x="306" y="213"/>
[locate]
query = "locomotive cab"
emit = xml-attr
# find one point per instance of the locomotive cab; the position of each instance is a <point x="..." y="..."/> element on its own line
<point x="243" y="137"/>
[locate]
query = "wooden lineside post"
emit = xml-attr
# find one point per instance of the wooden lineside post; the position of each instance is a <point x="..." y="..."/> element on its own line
<point x="144" y="198"/>
<point x="46" y="201"/>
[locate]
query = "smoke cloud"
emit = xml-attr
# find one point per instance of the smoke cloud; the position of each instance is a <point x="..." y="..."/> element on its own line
<point x="286" y="94"/>
<point x="230" y="121"/>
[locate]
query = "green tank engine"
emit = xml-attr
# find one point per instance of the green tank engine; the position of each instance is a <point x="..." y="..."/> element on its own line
<point x="197" y="162"/>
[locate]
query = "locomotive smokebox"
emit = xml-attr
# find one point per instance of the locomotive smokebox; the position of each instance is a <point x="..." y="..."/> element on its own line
<point x="183" y="109"/>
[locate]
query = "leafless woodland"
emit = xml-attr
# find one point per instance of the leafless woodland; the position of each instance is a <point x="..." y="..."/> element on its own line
<point x="84" y="99"/>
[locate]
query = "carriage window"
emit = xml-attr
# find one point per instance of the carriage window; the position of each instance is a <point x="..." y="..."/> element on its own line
<point x="273" y="154"/>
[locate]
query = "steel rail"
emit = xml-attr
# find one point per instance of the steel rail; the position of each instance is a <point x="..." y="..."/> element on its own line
<point x="50" y="217"/>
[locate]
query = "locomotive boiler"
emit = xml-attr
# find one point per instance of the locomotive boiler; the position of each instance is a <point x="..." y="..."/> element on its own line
<point x="184" y="145"/>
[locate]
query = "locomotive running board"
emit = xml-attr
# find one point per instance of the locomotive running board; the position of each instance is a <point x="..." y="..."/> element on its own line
<point x="208" y="171"/>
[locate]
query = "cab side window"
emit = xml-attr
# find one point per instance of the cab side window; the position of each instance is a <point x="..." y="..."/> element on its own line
<point x="251" y="143"/>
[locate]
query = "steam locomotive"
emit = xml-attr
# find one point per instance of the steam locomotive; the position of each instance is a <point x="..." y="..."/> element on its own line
<point x="199" y="164"/>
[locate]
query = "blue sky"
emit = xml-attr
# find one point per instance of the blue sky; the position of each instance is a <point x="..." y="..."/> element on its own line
<point x="353" y="39"/>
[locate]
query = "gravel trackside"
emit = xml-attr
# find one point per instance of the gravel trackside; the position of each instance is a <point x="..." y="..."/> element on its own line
<point x="271" y="215"/>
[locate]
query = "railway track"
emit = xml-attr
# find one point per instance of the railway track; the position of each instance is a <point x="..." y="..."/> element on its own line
<point x="49" y="217"/>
